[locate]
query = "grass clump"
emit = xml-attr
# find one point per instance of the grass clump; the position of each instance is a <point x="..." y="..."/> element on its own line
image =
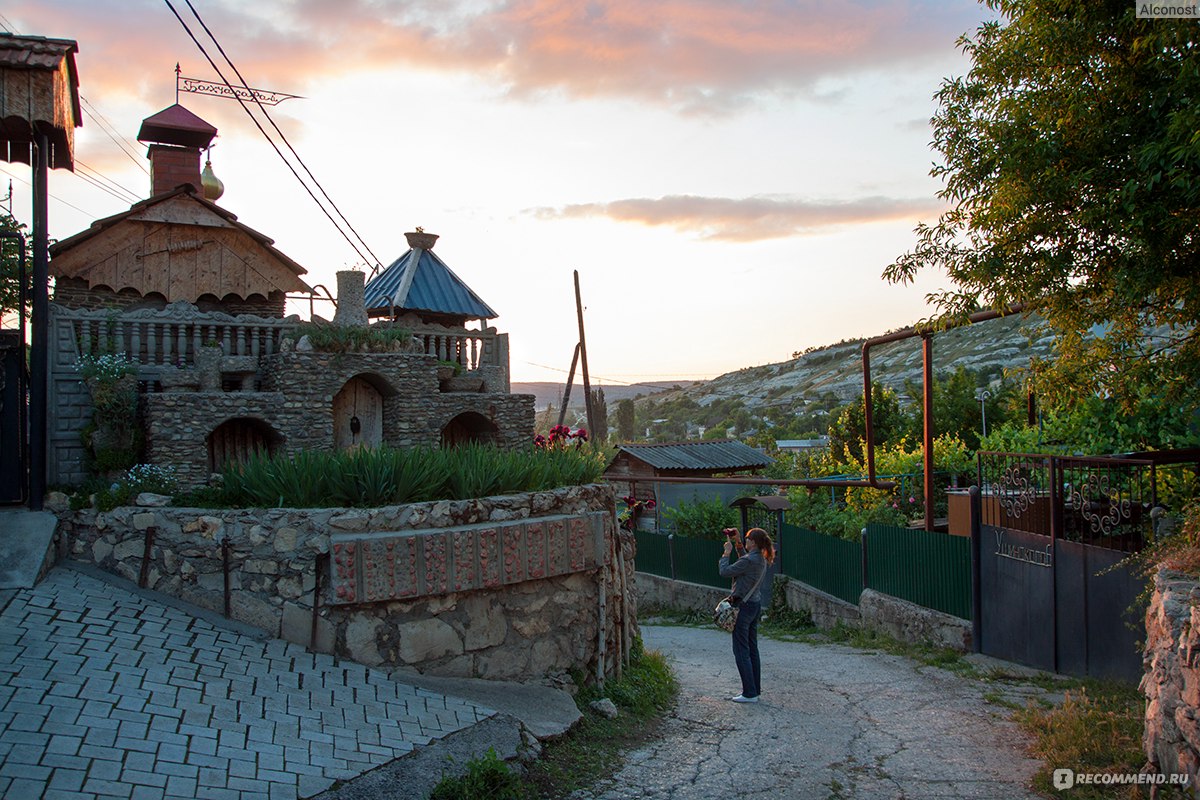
<point x="1096" y="729"/>
<point x="643" y="694"/>
<point x="486" y="778"/>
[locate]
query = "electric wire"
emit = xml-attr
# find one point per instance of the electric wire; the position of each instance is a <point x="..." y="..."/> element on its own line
<point x="111" y="186"/>
<point x="261" y="130"/>
<point x="86" y="178"/>
<point x="283" y="137"/>
<point x="53" y="196"/>
<point x="110" y="131"/>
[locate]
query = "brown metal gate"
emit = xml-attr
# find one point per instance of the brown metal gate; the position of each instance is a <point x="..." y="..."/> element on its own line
<point x="1052" y="538"/>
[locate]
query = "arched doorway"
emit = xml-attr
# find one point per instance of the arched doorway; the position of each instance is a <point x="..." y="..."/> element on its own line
<point x="469" y="427"/>
<point x="235" y="440"/>
<point x="357" y="415"/>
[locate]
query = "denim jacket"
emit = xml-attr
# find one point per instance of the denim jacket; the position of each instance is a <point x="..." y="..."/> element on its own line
<point x="746" y="570"/>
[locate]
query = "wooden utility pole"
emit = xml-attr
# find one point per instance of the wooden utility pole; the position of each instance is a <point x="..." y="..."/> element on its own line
<point x="587" y="386"/>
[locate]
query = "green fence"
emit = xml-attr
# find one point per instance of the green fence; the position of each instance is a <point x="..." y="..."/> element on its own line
<point x="930" y="569"/>
<point x="827" y="563"/>
<point x="695" y="560"/>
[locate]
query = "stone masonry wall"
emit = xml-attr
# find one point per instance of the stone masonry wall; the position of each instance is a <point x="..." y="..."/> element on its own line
<point x="535" y="629"/>
<point x="875" y="611"/>
<point x="1171" y="681"/>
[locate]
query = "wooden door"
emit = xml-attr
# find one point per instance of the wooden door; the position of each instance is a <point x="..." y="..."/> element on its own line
<point x="357" y="416"/>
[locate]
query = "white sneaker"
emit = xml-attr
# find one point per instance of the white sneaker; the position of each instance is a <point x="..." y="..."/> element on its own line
<point x="744" y="699"/>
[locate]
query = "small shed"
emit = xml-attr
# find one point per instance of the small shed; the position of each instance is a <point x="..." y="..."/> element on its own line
<point x="636" y="468"/>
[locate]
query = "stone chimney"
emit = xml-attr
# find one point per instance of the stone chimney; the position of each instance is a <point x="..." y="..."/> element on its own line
<point x="420" y="240"/>
<point x="351" y="306"/>
<point x="176" y="136"/>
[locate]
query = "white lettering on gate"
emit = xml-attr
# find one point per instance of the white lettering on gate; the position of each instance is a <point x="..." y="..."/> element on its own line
<point x="1037" y="556"/>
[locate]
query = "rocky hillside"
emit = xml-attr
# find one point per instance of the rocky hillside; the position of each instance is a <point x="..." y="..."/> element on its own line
<point x="833" y="374"/>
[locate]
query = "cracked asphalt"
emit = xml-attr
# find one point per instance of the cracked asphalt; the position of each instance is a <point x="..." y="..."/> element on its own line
<point x="834" y="722"/>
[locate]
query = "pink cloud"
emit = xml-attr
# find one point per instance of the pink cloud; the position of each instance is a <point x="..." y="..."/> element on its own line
<point x="687" y="55"/>
<point x="748" y="219"/>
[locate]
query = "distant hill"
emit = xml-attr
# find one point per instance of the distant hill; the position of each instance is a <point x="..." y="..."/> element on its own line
<point x="834" y="372"/>
<point x="547" y="392"/>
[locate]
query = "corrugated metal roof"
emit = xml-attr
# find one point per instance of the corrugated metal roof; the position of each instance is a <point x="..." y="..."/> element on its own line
<point x="434" y="288"/>
<point x="714" y="455"/>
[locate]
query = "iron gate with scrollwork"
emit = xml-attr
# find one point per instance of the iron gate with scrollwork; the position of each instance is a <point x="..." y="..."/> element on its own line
<point x="1052" y="538"/>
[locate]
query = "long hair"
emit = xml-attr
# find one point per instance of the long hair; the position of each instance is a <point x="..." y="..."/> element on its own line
<point x="763" y="542"/>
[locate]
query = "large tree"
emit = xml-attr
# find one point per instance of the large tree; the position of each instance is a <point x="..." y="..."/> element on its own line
<point x="1071" y="167"/>
<point x="10" y="265"/>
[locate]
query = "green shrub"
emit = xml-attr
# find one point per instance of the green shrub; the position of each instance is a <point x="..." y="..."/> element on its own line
<point x="387" y="476"/>
<point x="702" y="519"/>
<point x="486" y="778"/>
<point x="139" y="478"/>
<point x="375" y="338"/>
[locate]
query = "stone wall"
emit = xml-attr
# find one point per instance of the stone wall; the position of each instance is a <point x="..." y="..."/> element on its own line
<point x="532" y="628"/>
<point x="875" y="611"/>
<point x="1171" y="681"/>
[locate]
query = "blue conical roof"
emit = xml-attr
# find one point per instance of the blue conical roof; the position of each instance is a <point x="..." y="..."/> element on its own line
<point x="433" y="287"/>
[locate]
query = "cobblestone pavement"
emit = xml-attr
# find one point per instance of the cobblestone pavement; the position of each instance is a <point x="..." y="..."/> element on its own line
<point x="104" y="694"/>
<point x="834" y="723"/>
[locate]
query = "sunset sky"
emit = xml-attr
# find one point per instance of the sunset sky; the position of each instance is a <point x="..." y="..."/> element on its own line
<point x="729" y="178"/>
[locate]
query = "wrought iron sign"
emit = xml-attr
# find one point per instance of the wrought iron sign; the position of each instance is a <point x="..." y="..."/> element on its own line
<point x="1101" y="505"/>
<point x="215" y="89"/>
<point x="1016" y="491"/>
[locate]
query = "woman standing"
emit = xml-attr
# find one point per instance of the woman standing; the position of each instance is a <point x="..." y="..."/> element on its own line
<point x="749" y="573"/>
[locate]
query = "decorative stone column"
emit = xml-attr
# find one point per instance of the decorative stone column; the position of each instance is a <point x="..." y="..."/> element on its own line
<point x="351" y="305"/>
<point x="208" y="364"/>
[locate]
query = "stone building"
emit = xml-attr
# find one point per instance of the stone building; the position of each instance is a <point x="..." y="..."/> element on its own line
<point x="197" y="300"/>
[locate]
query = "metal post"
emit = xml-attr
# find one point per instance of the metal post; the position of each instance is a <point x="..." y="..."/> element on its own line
<point x="147" y="549"/>
<point x="863" y="544"/>
<point x="39" y="342"/>
<point x="976" y="512"/>
<point x="225" y="570"/>
<point x="927" y="391"/>
<point x="320" y="565"/>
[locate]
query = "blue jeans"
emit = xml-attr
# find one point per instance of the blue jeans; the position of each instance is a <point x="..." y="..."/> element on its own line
<point x="745" y="648"/>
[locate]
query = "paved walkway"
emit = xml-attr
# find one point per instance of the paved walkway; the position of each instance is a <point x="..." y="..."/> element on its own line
<point x="106" y="694"/>
<point x="834" y="723"/>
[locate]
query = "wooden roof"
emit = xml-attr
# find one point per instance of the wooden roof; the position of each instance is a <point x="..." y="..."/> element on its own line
<point x="179" y="245"/>
<point x="39" y="93"/>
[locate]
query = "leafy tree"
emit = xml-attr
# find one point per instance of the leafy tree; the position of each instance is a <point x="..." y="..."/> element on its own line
<point x="956" y="407"/>
<point x="626" y="417"/>
<point x="1071" y="165"/>
<point x="848" y="429"/>
<point x="600" y="415"/>
<point x="10" y="261"/>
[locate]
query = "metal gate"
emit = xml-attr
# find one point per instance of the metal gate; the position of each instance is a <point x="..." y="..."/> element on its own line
<point x="14" y="481"/>
<point x="1051" y="539"/>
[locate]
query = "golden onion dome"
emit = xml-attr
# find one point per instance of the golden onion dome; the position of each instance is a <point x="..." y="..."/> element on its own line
<point x="213" y="186"/>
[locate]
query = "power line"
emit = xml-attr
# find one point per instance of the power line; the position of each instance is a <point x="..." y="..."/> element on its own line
<point x="87" y="214"/>
<point x="8" y="26"/>
<point x="109" y="185"/>
<point x="603" y="378"/>
<point x="108" y="129"/>
<point x="258" y="125"/>
<point x="267" y="114"/>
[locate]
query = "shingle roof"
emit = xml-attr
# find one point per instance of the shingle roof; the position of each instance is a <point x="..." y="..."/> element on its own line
<point x="714" y="455"/>
<point x="434" y="287"/>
